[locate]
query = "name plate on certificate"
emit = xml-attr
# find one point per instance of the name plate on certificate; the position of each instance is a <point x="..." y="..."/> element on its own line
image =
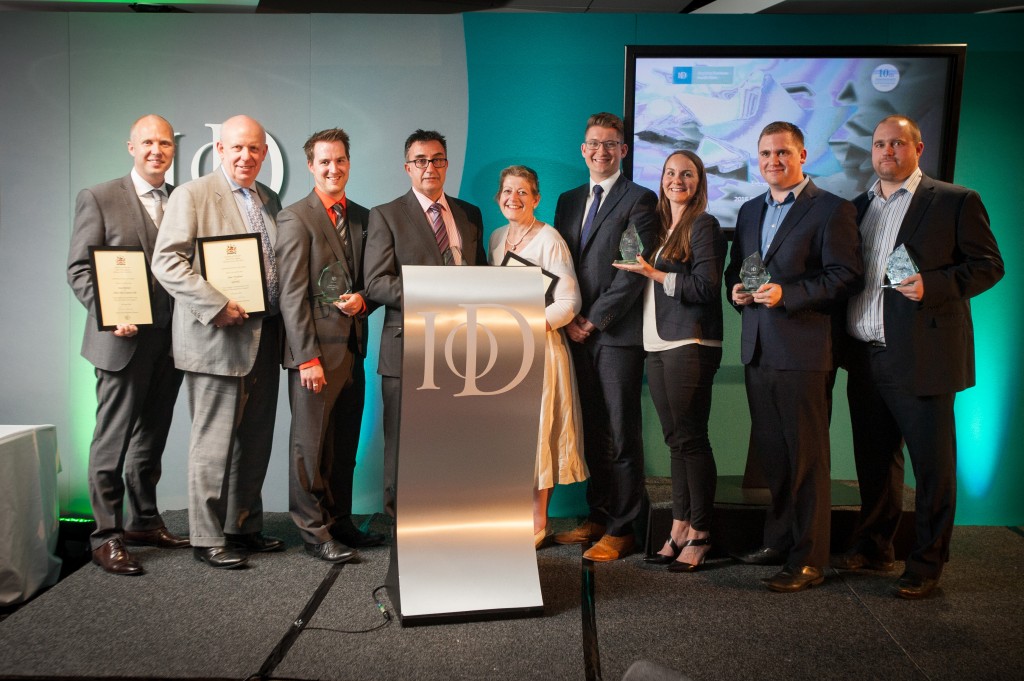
<point x="120" y="278"/>
<point x="233" y="265"/>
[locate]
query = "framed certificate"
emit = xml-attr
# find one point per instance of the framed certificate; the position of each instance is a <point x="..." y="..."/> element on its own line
<point x="121" y="286"/>
<point x="233" y="265"/>
<point x="513" y="260"/>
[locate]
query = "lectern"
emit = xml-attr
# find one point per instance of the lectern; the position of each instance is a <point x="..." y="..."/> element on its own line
<point x="472" y="374"/>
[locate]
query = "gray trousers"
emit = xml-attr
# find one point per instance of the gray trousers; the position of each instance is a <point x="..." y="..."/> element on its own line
<point x="230" y="445"/>
<point x="133" y="416"/>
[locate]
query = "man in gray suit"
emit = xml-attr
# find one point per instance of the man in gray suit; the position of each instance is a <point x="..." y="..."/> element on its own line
<point x="136" y="382"/>
<point x="423" y="227"/>
<point x="230" y="360"/>
<point x="320" y="239"/>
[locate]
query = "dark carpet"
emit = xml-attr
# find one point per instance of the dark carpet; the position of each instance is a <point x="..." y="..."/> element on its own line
<point x="184" y="620"/>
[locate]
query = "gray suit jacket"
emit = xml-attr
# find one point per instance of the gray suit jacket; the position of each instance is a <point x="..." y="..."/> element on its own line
<point x="201" y="208"/>
<point x="399" y="234"/>
<point x="307" y="243"/>
<point x="110" y="214"/>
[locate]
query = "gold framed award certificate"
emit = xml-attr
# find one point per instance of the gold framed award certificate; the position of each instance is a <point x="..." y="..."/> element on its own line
<point x="233" y="265"/>
<point x="121" y="286"/>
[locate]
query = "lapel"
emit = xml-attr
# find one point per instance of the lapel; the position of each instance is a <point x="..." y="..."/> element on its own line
<point x="356" y="228"/>
<point x="801" y="206"/>
<point x="577" y="205"/>
<point x="319" y="218"/>
<point x="916" y="210"/>
<point x="420" y="227"/>
<point x="145" y="228"/>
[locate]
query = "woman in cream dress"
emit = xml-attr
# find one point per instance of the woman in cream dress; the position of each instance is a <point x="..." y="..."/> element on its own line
<point x="560" y="441"/>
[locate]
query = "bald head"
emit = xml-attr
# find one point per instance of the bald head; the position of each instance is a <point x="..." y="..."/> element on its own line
<point x="242" y="148"/>
<point x="151" y="144"/>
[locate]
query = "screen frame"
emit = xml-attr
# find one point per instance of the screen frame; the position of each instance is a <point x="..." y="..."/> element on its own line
<point x="955" y="53"/>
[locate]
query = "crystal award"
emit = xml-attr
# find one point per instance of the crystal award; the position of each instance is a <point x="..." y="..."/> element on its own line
<point x="630" y="246"/>
<point x="753" y="273"/>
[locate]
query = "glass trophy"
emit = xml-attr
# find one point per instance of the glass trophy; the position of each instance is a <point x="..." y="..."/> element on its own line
<point x="899" y="266"/>
<point x="753" y="273"/>
<point x="630" y="246"/>
<point x="333" y="283"/>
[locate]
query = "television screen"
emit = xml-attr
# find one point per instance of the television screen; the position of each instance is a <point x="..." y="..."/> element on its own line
<point x="714" y="101"/>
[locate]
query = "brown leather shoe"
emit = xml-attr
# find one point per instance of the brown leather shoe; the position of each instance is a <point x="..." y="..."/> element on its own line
<point x="585" y="533"/>
<point x="610" y="548"/>
<point x="855" y="560"/>
<point x="160" y="537"/>
<point x="114" y="558"/>
<point x="793" y="579"/>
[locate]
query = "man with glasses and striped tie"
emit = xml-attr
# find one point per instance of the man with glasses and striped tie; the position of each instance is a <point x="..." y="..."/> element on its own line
<point x="136" y="382"/>
<point x="423" y="227"/>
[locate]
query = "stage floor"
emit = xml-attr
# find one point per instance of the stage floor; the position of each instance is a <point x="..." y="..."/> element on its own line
<point x="184" y="620"/>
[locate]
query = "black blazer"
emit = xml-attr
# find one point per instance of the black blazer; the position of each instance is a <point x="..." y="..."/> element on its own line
<point x="695" y="308"/>
<point x="398" y="233"/>
<point x="610" y="296"/>
<point x="946" y="231"/>
<point x="816" y="257"/>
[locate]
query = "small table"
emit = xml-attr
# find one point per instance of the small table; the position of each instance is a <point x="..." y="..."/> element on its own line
<point x="29" y="511"/>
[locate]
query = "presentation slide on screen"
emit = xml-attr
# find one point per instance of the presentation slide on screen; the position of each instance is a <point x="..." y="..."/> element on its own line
<point x="717" y="107"/>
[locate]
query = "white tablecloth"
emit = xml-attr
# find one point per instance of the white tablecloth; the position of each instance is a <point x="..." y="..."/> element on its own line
<point x="29" y="511"/>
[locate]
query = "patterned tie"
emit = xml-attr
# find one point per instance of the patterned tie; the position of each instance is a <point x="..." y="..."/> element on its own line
<point x="269" y="257"/>
<point x="440" y="233"/>
<point x="158" y="203"/>
<point x="591" y="214"/>
<point x="341" y="224"/>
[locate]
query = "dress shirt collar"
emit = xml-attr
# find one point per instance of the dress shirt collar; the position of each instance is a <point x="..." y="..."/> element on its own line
<point x="909" y="185"/>
<point x="791" y="196"/>
<point x="142" y="187"/>
<point x="606" y="184"/>
<point x="329" y="202"/>
<point x="426" y="203"/>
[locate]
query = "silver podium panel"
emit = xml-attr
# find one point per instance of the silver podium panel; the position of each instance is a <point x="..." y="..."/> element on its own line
<point x="472" y="374"/>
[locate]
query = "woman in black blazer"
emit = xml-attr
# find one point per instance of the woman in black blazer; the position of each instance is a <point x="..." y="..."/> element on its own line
<point x="683" y="338"/>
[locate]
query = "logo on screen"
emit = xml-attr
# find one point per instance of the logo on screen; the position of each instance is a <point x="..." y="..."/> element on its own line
<point x="885" y="77"/>
<point x="682" y="75"/>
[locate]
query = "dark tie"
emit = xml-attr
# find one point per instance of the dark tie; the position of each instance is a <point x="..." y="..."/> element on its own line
<point x="269" y="257"/>
<point x="342" y="226"/>
<point x="591" y="214"/>
<point x="440" y="233"/>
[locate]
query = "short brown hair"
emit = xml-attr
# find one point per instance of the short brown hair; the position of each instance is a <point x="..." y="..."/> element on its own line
<point x="421" y="135"/>
<point x="779" y="127"/>
<point x="606" y="120"/>
<point x="912" y="126"/>
<point x="329" y="135"/>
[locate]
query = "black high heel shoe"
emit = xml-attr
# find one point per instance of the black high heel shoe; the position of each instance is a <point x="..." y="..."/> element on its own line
<point x="680" y="566"/>
<point x="661" y="559"/>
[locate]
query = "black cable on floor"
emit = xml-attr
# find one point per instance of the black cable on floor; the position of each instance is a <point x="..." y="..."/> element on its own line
<point x="591" y="652"/>
<point x="286" y="642"/>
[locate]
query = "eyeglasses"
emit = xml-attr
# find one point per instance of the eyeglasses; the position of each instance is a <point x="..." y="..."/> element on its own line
<point x="422" y="162"/>
<point x="610" y="145"/>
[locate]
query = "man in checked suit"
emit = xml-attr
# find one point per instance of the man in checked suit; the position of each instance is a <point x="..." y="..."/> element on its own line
<point x="807" y="238"/>
<point x="911" y="349"/>
<point x="136" y="382"/>
<point x="325" y="342"/>
<point x="607" y="335"/>
<point x="423" y="227"/>
<point x="231" y="360"/>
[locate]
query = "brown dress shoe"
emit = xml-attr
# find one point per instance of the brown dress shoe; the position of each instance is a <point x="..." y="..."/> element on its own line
<point x="793" y="579"/>
<point x="584" y="534"/>
<point x="160" y="537"/>
<point x="610" y="548"/>
<point x="913" y="586"/>
<point x="113" y="557"/>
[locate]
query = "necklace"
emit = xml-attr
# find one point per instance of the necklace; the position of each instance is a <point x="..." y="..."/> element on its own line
<point x="514" y="246"/>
